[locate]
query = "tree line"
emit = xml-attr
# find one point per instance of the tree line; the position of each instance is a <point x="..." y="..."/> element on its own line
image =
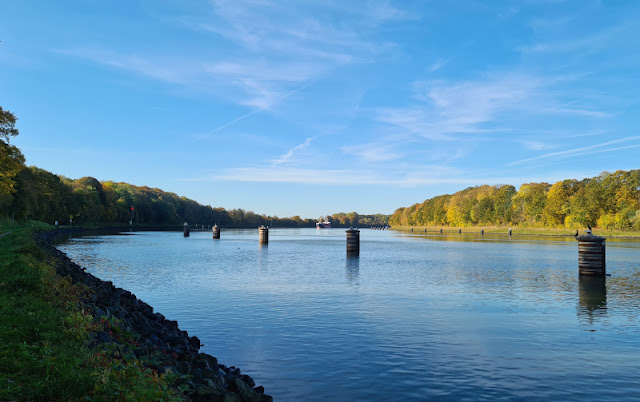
<point x="28" y="192"/>
<point x="610" y="200"/>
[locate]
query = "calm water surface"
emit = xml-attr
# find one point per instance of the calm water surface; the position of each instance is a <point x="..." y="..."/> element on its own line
<point x="415" y="317"/>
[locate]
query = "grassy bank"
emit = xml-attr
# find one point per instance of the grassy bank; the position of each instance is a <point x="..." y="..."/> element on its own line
<point x="516" y="230"/>
<point x="45" y="334"/>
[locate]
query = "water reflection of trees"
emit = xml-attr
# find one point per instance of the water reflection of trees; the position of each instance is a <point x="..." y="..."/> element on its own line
<point x="593" y="298"/>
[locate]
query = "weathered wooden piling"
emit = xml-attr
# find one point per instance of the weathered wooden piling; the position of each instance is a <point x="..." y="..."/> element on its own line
<point x="440" y="230"/>
<point x="425" y="230"/>
<point x="216" y="231"/>
<point x="509" y="231"/>
<point x="591" y="255"/>
<point x="263" y="234"/>
<point x="482" y="231"/>
<point x="459" y="231"/>
<point x="353" y="241"/>
<point x="186" y="229"/>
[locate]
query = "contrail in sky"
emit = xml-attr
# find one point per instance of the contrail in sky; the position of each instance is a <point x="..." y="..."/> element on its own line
<point x="280" y="99"/>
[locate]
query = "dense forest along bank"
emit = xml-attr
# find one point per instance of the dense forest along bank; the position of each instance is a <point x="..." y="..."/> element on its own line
<point x="609" y="201"/>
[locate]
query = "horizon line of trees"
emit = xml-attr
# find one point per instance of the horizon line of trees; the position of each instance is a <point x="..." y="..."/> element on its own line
<point x="41" y="195"/>
<point x="28" y="192"/>
<point x="610" y="201"/>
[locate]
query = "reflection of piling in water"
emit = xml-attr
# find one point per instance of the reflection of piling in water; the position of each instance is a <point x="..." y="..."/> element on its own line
<point x="591" y="255"/>
<point x="263" y="234"/>
<point x="593" y="293"/>
<point x="353" y="241"/>
<point x="186" y="229"/>
<point x="593" y="297"/>
<point x="353" y="268"/>
<point x="216" y="231"/>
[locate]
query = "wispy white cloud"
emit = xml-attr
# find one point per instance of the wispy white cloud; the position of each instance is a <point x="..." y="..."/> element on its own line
<point x="373" y="152"/>
<point x="437" y="65"/>
<point x="336" y="177"/>
<point x="588" y="150"/>
<point x="543" y="25"/>
<point x="447" y="108"/>
<point x="280" y="43"/>
<point x="287" y="156"/>
<point x="157" y="70"/>
<point x="297" y="26"/>
<point x="259" y="109"/>
<point x="262" y="84"/>
<point x="535" y="145"/>
<point x="427" y="176"/>
<point x="508" y="13"/>
<point x="443" y="109"/>
<point x="269" y="47"/>
<point x="592" y="43"/>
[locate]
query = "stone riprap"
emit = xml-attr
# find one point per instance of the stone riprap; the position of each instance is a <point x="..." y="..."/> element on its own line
<point x="160" y="344"/>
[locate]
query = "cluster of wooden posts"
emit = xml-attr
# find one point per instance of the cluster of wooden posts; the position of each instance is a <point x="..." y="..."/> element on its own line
<point x="591" y="249"/>
<point x="353" y="237"/>
<point x="460" y="231"/>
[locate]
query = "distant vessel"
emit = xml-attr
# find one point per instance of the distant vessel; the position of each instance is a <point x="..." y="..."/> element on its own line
<point x="323" y="225"/>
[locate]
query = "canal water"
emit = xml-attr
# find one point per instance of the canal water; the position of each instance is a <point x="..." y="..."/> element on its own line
<point x="414" y="317"/>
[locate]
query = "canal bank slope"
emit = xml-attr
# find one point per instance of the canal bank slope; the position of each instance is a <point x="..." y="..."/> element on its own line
<point x="157" y="342"/>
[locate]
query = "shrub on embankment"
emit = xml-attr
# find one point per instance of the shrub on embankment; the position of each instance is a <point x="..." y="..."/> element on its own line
<point x="65" y="334"/>
<point x="45" y="330"/>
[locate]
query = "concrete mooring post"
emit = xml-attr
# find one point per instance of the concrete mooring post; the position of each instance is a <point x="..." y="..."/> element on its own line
<point x="353" y="241"/>
<point x="263" y="234"/>
<point x="186" y="229"/>
<point x="216" y="231"/>
<point x="591" y="255"/>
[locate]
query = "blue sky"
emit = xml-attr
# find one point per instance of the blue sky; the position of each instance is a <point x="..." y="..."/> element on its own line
<point x="314" y="107"/>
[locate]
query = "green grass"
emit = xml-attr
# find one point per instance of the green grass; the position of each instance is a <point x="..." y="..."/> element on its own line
<point x="44" y="334"/>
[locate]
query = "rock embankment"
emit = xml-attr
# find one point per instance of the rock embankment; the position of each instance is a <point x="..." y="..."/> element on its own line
<point x="160" y="343"/>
